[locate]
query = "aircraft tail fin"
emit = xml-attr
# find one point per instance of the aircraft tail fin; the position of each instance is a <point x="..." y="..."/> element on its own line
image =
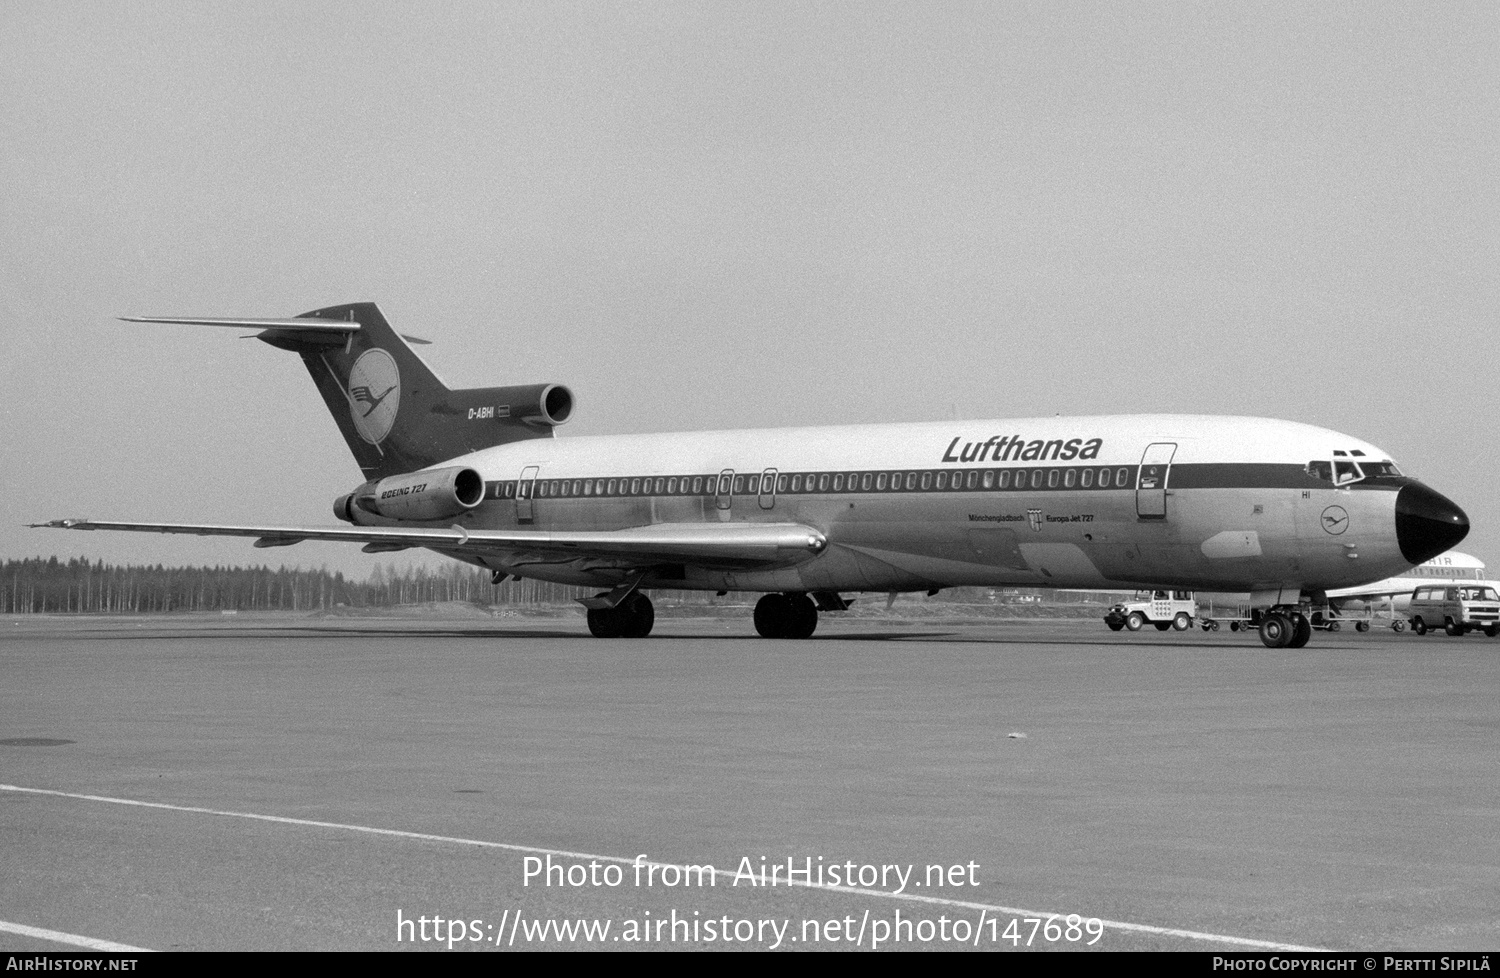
<point x="393" y="411"/>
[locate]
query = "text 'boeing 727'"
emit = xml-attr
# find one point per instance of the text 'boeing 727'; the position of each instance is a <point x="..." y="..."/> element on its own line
<point x="1283" y="510"/>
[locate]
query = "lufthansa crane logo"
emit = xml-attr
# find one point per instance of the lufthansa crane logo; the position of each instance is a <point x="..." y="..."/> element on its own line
<point x="374" y="394"/>
<point x="1335" y="520"/>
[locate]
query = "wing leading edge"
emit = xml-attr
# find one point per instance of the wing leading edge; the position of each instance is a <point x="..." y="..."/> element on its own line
<point x="726" y="544"/>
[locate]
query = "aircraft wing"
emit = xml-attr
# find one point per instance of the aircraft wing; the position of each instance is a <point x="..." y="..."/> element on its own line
<point x="714" y="544"/>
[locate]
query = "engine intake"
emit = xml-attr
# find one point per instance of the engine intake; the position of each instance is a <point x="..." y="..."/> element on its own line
<point x="430" y="494"/>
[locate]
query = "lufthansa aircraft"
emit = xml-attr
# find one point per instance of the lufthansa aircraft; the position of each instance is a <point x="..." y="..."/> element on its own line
<point x="1283" y="510"/>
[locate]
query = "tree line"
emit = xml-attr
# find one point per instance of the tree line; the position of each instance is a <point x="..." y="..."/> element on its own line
<point x="48" y="585"/>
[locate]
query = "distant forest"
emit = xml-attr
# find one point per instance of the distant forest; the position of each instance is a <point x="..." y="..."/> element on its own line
<point x="49" y="585"/>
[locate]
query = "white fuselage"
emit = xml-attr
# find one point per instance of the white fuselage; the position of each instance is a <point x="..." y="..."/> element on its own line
<point x="1202" y="502"/>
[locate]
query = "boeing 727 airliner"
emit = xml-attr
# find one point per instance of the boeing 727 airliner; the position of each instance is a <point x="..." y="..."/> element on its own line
<point x="1283" y="510"/>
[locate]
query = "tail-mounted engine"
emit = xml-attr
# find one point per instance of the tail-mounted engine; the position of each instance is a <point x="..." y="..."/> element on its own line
<point x="431" y="494"/>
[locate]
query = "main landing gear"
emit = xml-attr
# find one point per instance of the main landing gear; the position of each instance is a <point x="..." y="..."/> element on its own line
<point x="786" y="616"/>
<point x="631" y="618"/>
<point x="1283" y="628"/>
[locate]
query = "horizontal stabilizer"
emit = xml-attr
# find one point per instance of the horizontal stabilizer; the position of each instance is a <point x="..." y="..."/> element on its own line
<point x="306" y="326"/>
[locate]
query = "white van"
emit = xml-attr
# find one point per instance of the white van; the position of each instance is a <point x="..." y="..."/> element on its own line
<point x="1455" y="608"/>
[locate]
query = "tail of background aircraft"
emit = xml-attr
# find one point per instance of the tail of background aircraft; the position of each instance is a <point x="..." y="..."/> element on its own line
<point x="393" y="411"/>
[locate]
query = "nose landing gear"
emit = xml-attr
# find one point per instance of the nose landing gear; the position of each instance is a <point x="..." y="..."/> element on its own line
<point x="1284" y="629"/>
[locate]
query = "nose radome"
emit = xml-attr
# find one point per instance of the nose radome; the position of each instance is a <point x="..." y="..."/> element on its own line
<point x="1427" y="523"/>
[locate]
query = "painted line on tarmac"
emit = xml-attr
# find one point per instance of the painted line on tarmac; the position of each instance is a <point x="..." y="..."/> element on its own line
<point x="77" y="940"/>
<point x="1192" y="935"/>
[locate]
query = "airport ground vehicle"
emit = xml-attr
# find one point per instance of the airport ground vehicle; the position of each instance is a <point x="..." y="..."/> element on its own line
<point x="1456" y="609"/>
<point x="1164" y="609"/>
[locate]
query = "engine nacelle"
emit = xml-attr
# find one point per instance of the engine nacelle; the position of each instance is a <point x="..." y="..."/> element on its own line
<point x="431" y="494"/>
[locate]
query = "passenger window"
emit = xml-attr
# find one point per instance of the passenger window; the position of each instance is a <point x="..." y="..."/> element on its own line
<point x="911" y="481"/>
<point x="942" y="481"/>
<point x="838" y="482"/>
<point x="753" y="485"/>
<point x="697" y="484"/>
<point x="781" y="483"/>
<point x="1086" y="478"/>
<point x="880" y="482"/>
<point x="796" y="483"/>
<point x="1122" y="478"/>
<point x="1051" y="478"/>
<point x="671" y="487"/>
<point x="1036" y="478"/>
<point x="864" y="482"/>
<point x="739" y="485"/>
<point x="988" y="479"/>
<point x="1069" y="477"/>
<point x="973" y="479"/>
<point x="635" y="487"/>
<point x="1005" y="479"/>
<point x="823" y="482"/>
<point x="1104" y="478"/>
<point x="926" y="481"/>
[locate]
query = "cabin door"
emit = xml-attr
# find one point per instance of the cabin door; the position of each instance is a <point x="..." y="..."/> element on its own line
<point x="525" y="490"/>
<point x="1151" y="483"/>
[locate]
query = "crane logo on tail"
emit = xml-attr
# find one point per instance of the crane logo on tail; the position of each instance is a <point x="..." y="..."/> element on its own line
<point x="374" y="391"/>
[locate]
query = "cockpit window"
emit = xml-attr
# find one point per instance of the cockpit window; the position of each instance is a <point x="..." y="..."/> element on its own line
<point x="1345" y="472"/>
<point x="1374" y="469"/>
<point x="1320" y="470"/>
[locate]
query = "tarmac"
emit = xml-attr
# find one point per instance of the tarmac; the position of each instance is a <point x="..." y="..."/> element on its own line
<point x="208" y="783"/>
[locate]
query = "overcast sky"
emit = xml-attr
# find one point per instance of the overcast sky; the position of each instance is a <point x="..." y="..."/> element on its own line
<point x="708" y="215"/>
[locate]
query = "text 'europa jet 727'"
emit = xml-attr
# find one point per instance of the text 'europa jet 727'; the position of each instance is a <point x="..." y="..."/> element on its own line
<point x="1285" y="511"/>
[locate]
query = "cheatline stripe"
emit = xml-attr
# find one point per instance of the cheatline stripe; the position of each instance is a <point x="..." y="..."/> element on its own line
<point x="1193" y="935"/>
<point x="77" y="940"/>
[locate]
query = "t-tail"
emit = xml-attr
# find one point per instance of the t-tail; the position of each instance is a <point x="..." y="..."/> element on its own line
<point x="393" y="411"/>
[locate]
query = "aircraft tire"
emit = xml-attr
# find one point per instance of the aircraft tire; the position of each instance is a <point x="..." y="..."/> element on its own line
<point x="605" y="622"/>
<point x="1182" y="621"/>
<point x="1135" y="621"/>
<point x="1301" y="632"/>
<point x="1275" y="631"/>
<point x="1418" y="625"/>
<point x="639" y="616"/>
<point x="770" y="615"/>
<point x="1453" y="628"/>
<point x="802" y="617"/>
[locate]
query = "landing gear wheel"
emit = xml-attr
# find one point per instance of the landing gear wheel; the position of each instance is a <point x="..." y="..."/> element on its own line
<point x="786" y="616"/>
<point x="804" y="616"/>
<point x="1301" y="632"/>
<point x="1275" y="631"/>
<point x="606" y="622"/>
<point x="1135" y="621"/>
<point x="770" y="615"/>
<point x="1453" y="628"/>
<point x="1418" y="625"/>
<point x="1182" y="621"/>
<point x="640" y="616"/>
<point x="631" y="618"/>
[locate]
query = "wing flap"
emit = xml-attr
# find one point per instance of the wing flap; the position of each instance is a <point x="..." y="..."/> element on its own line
<point x="738" y="543"/>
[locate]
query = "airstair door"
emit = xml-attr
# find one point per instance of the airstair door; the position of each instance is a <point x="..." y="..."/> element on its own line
<point x="1151" y="483"/>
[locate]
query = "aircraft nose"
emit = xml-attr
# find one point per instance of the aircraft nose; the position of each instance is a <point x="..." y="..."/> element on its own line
<point x="1427" y="522"/>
